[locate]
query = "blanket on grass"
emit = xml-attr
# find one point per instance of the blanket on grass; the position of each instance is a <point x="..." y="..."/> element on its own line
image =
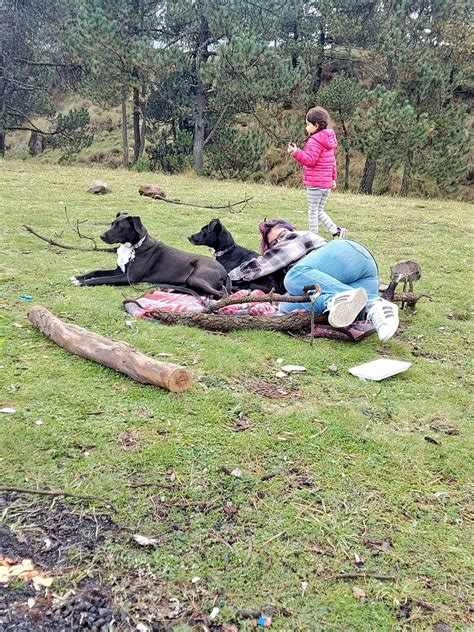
<point x="172" y="301"/>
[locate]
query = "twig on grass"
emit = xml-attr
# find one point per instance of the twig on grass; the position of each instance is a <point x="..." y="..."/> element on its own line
<point x="275" y="537"/>
<point x="47" y="492"/>
<point x="383" y="578"/>
<point x="77" y="229"/>
<point x="52" y="242"/>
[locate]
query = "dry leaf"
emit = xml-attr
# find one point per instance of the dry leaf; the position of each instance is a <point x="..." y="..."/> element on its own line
<point x="241" y="423"/>
<point x="230" y="508"/>
<point x="358" y="593"/>
<point x="285" y="436"/>
<point x="40" y="581"/>
<point x="144" y="541"/>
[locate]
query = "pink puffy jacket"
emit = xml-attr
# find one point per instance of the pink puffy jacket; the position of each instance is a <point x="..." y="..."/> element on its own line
<point x="318" y="159"/>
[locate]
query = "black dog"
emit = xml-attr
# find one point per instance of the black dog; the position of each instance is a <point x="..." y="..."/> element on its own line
<point x="230" y="255"/>
<point x="142" y="259"/>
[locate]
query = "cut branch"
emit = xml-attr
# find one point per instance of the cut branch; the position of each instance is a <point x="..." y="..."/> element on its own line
<point x="227" y="206"/>
<point x="271" y="297"/>
<point x="52" y="242"/>
<point x="115" y="354"/>
<point x="293" y="322"/>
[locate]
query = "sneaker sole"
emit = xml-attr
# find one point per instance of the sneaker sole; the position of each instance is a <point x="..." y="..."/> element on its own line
<point x="343" y="314"/>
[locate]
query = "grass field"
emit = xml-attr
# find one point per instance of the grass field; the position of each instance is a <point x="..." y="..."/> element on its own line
<point x="332" y="467"/>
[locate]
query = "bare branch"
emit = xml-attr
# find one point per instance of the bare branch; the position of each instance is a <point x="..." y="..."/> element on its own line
<point x="52" y="242"/>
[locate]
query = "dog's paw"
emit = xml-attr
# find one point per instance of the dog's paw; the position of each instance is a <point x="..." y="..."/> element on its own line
<point x="74" y="280"/>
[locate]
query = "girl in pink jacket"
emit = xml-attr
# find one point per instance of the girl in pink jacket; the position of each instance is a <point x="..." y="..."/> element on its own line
<point x="319" y="169"/>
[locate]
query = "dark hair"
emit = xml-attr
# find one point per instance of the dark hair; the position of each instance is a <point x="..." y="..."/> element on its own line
<point x="266" y="226"/>
<point x="318" y="116"/>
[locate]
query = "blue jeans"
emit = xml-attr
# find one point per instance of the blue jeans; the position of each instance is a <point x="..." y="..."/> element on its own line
<point x="339" y="265"/>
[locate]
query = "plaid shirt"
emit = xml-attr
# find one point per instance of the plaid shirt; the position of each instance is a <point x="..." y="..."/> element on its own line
<point x="290" y="249"/>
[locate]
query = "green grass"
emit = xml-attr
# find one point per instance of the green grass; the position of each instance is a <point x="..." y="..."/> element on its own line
<point x="348" y="459"/>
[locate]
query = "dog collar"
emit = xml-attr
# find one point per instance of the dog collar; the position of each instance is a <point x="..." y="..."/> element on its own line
<point x="219" y="253"/>
<point x="138" y="244"/>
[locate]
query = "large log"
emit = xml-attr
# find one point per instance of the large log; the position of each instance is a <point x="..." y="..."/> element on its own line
<point x="116" y="354"/>
<point x="294" y="322"/>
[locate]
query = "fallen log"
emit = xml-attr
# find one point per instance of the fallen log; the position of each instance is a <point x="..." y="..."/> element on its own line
<point x="294" y="322"/>
<point x="115" y="354"/>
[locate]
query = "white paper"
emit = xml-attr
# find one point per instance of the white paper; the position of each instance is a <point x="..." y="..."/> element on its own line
<point x="379" y="369"/>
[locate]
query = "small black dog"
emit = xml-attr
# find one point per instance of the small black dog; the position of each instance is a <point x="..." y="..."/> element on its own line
<point x="230" y="255"/>
<point x="143" y="259"/>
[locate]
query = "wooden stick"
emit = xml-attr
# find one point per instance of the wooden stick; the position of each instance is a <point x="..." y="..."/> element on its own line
<point x="47" y="492"/>
<point x="52" y="242"/>
<point x="228" y="206"/>
<point x="220" y="322"/>
<point x="116" y="354"/>
<point x="271" y="297"/>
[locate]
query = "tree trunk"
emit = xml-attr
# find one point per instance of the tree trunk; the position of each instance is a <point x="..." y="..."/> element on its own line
<point x="143" y="129"/>
<point x="124" y="130"/>
<point x="318" y="72"/>
<point x="347" y="162"/>
<point x="136" y="124"/>
<point x="368" y="176"/>
<point x="2" y="144"/>
<point x="405" y="186"/>
<point x="386" y="178"/>
<point x="198" y="148"/>
<point x="114" y="354"/>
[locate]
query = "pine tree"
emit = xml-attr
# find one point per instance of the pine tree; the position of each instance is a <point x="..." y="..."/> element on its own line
<point x="342" y="97"/>
<point x="114" y="41"/>
<point x="32" y="58"/>
<point x="418" y="50"/>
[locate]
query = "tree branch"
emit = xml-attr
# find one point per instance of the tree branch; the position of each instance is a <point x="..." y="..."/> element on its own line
<point x="52" y="242"/>
<point x="227" y="206"/>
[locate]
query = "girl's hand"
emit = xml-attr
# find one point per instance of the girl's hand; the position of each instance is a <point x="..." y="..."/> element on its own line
<point x="292" y="148"/>
<point x="334" y="185"/>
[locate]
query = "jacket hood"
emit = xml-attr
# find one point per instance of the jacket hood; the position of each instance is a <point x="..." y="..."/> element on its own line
<point x="327" y="138"/>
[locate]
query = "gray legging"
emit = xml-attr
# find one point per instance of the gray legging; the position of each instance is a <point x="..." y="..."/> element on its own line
<point x="317" y="199"/>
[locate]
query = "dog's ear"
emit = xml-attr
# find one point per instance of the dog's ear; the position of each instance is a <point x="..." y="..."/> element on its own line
<point x="136" y="222"/>
<point x="215" y="226"/>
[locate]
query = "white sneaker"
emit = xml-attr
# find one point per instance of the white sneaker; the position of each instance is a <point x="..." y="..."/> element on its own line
<point x="384" y="317"/>
<point x="344" y="306"/>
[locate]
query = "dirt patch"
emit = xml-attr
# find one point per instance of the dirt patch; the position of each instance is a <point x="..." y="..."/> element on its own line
<point x="50" y="533"/>
<point x="57" y="537"/>
<point x="87" y="608"/>
<point x="60" y="538"/>
<point x="269" y="389"/>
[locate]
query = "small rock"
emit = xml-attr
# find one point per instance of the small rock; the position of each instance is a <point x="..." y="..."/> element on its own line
<point x="332" y="368"/>
<point x="214" y="613"/>
<point x="237" y="473"/>
<point x="152" y="191"/>
<point x="441" y="627"/>
<point x="98" y="186"/>
<point x="293" y="368"/>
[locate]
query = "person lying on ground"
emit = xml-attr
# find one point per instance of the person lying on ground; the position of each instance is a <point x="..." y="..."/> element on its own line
<point x="345" y="271"/>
